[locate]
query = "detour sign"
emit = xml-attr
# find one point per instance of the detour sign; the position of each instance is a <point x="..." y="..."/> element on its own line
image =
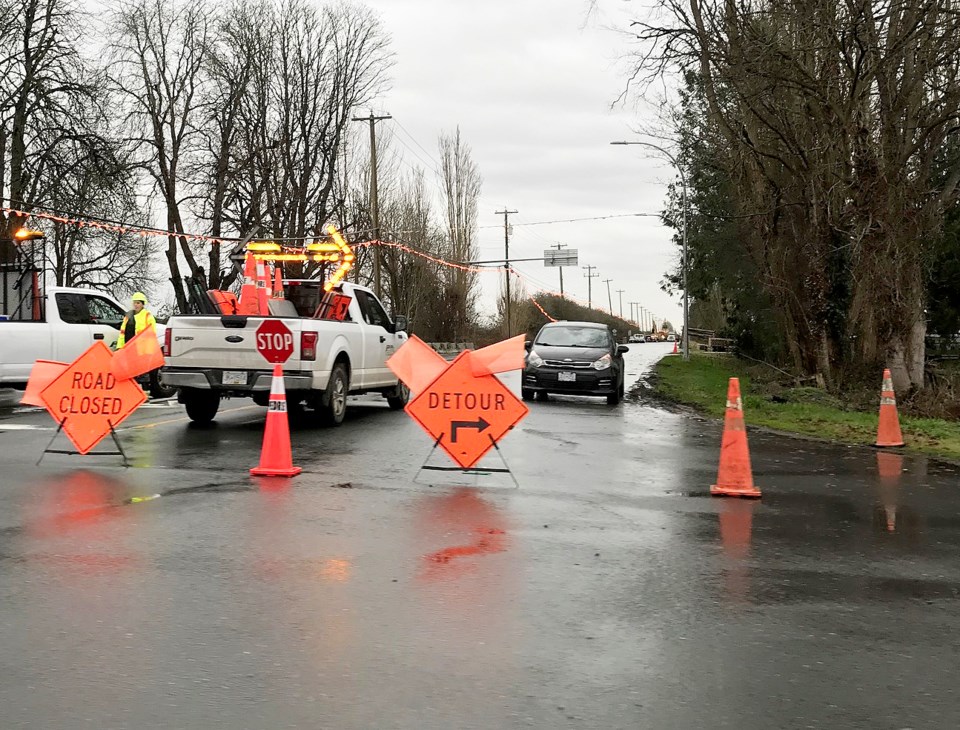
<point x="466" y="414"/>
<point x="87" y="399"/>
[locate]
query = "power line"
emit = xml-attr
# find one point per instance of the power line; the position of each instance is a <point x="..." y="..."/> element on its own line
<point x="436" y="164"/>
<point x="594" y="218"/>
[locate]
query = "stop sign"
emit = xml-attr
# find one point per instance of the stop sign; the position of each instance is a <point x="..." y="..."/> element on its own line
<point x="274" y="341"/>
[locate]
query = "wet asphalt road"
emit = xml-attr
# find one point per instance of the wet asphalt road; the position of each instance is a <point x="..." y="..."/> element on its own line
<point x="608" y="591"/>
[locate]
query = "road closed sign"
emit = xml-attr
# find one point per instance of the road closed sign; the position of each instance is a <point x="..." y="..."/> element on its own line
<point x="274" y="341"/>
<point x="89" y="400"/>
<point x="466" y="414"/>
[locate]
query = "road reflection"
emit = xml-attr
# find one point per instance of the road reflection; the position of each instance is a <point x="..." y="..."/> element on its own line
<point x="79" y="520"/>
<point x="736" y="532"/>
<point x="890" y="515"/>
<point x="462" y="516"/>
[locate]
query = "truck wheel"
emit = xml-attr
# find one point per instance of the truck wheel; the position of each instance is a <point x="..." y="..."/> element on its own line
<point x="527" y="393"/>
<point x="397" y="397"/>
<point x="202" y="405"/>
<point x="157" y="388"/>
<point x="333" y="405"/>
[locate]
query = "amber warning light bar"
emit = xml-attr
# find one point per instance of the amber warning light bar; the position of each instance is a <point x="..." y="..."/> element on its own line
<point x="336" y="251"/>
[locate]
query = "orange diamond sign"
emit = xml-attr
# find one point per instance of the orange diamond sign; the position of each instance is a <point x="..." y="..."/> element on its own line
<point x="88" y="399"/>
<point x="466" y="414"/>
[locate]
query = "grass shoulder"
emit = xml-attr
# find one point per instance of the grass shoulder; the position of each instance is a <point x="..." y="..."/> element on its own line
<point x="767" y="402"/>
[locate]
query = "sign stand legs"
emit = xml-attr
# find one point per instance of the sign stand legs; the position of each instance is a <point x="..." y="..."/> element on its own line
<point x="113" y="433"/>
<point x="471" y="471"/>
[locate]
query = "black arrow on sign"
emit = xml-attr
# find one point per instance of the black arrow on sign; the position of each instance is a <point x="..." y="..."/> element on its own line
<point x="479" y="424"/>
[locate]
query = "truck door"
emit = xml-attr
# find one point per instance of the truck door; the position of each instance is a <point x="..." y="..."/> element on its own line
<point x="105" y="318"/>
<point x="75" y="335"/>
<point x="376" y="338"/>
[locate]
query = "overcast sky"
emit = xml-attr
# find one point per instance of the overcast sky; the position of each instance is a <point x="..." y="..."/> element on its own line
<point x="530" y="84"/>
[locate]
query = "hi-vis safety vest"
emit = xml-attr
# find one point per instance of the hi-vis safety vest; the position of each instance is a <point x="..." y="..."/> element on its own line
<point x="140" y="322"/>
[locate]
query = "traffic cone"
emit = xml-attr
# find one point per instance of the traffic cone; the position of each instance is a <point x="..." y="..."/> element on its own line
<point x="276" y="459"/>
<point x="734" y="476"/>
<point x="277" y="283"/>
<point x="249" y="301"/>
<point x="675" y="350"/>
<point x="263" y="299"/>
<point x="888" y="430"/>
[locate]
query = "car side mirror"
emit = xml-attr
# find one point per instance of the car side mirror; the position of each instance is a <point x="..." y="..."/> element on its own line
<point x="622" y="349"/>
<point x="527" y="345"/>
<point x="400" y="323"/>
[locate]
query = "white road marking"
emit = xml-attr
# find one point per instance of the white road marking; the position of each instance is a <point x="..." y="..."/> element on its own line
<point x="23" y="427"/>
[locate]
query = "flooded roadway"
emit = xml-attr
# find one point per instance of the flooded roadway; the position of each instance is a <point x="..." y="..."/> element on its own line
<point x="607" y="591"/>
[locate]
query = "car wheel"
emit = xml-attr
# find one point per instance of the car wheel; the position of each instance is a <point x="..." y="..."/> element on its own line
<point x="202" y="405"/>
<point x="333" y="405"/>
<point x="614" y="397"/>
<point x="526" y="393"/>
<point x="543" y="395"/>
<point x="397" y="397"/>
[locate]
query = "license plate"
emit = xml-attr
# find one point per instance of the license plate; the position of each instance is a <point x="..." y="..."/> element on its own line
<point x="234" y="377"/>
<point x="565" y="377"/>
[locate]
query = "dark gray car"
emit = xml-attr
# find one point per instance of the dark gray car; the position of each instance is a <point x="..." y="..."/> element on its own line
<point x="574" y="358"/>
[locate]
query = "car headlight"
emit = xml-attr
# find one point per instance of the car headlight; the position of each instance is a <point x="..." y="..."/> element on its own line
<point x="603" y="363"/>
<point x="533" y="359"/>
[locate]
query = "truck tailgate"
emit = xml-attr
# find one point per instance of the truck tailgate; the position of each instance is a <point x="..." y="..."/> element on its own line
<point x="229" y="343"/>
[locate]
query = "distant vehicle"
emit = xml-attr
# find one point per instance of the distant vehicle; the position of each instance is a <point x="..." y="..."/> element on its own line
<point x="71" y="319"/>
<point x="671" y="337"/>
<point x="574" y="358"/>
<point x="650" y="338"/>
<point x="636" y="338"/>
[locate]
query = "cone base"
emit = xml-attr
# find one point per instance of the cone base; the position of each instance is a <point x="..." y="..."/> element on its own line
<point x="888" y="444"/>
<point x="266" y="471"/>
<point x="717" y="490"/>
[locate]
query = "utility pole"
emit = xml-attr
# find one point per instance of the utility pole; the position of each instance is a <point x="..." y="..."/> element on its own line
<point x="506" y="260"/>
<point x="374" y="202"/>
<point x="620" y="294"/>
<point x="637" y="318"/>
<point x="590" y="277"/>
<point x="609" y="298"/>
<point x="558" y="246"/>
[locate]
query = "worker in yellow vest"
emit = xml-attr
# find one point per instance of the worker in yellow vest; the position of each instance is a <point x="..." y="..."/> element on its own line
<point x="136" y="320"/>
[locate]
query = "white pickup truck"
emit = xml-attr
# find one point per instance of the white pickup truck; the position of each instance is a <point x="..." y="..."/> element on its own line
<point x="69" y="322"/>
<point x="211" y="356"/>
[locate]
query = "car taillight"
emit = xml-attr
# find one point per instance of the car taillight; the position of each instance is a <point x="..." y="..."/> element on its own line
<point x="308" y="345"/>
<point x="167" y="339"/>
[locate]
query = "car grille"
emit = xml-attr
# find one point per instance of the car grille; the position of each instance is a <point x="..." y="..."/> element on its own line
<point x="572" y="364"/>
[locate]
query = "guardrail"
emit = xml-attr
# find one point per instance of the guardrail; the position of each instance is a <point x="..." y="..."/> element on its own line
<point x="450" y="349"/>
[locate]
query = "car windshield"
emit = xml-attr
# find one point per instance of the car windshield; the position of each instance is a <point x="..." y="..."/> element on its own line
<point x="572" y="337"/>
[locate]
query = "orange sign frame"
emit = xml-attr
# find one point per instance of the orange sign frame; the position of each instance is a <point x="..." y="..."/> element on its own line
<point x="87" y="399"/>
<point x="466" y="414"/>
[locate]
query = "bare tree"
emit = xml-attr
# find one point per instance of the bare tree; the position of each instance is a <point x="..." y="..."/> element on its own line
<point x="43" y="81"/>
<point x="160" y="48"/>
<point x="462" y="184"/>
<point x="90" y="173"/>
<point x="285" y="79"/>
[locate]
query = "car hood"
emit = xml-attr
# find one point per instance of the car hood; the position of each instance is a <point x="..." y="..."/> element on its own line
<point x="548" y="352"/>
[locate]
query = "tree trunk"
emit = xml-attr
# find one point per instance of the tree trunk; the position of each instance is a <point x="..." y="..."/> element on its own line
<point x="907" y="355"/>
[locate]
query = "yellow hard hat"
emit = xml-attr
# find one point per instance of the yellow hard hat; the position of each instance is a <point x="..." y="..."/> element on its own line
<point x="139" y="297"/>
